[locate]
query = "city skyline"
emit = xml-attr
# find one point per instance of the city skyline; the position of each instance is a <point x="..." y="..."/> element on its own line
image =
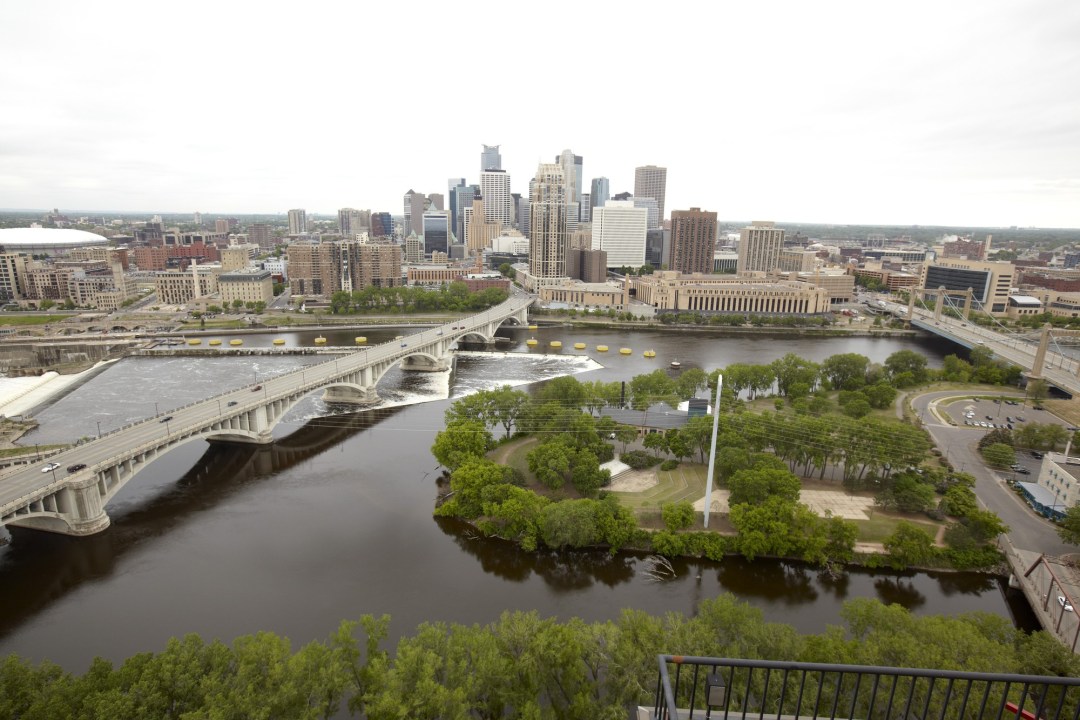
<point x="956" y="114"/>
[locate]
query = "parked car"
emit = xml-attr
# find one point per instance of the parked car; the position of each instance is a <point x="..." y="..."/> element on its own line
<point x="1037" y="454"/>
<point x="1023" y="470"/>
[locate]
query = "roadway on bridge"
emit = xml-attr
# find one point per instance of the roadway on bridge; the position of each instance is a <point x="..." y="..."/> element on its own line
<point x="1058" y="369"/>
<point x="26" y="481"/>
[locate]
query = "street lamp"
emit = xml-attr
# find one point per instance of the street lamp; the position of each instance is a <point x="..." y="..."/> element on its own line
<point x="156" y="411"/>
<point x="99" y="428"/>
<point x="168" y="432"/>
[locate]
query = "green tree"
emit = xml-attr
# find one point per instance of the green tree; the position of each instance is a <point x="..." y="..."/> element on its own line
<point x="655" y="387"/>
<point x="791" y="370"/>
<point x="858" y="408"/>
<point x="570" y="523"/>
<point x="551" y="463"/>
<point x="909" y="545"/>
<point x="469" y="483"/>
<point x="677" y="515"/>
<point x="906" y="363"/>
<point x="1069" y="526"/>
<point x="1037" y="392"/>
<point x="880" y="395"/>
<point x="754" y="486"/>
<point x="462" y="440"/>
<point x="237" y="304"/>
<point x="689" y="382"/>
<point x="999" y="455"/>
<point x="845" y="371"/>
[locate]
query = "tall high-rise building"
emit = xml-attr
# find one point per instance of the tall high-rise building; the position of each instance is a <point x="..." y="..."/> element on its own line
<point x="452" y="186"/>
<point x="490" y="159"/>
<point x="352" y="222"/>
<point x="585" y="211"/>
<point x="652" y="206"/>
<point x="548" y="239"/>
<point x="461" y="199"/>
<point x="382" y="225"/>
<point x="325" y="268"/>
<point x="600" y="192"/>
<point x="436" y="232"/>
<point x="759" y="247"/>
<point x="297" y="222"/>
<point x="414" y="204"/>
<point x="619" y="229"/>
<point x="651" y="181"/>
<point x="495" y="189"/>
<point x="693" y="240"/>
<point x="221" y="225"/>
<point x="480" y="231"/>
<point x="259" y="233"/>
<point x="435" y="201"/>
<point x="571" y="165"/>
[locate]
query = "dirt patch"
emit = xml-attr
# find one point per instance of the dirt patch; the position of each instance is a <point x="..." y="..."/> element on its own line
<point x="634" y="481"/>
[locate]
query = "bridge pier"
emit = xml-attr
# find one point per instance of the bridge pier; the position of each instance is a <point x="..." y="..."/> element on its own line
<point x="351" y="395"/>
<point x="423" y="363"/>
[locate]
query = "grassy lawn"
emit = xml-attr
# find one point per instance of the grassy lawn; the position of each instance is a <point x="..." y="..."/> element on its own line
<point x="881" y="526"/>
<point x="686" y="482"/>
<point x="19" y="319"/>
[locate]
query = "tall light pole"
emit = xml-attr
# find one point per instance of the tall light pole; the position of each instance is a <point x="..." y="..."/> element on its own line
<point x="712" y="450"/>
<point x="99" y="428"/>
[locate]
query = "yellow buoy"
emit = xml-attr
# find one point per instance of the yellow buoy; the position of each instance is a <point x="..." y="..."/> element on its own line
<point x="320" y="340"/>
<point x="601" y="348"/>
<point x="235" y="342"/>
<point x="579" y="346"/>
<point x="279" y="341"/>
<point x="556" y="344"/>
<point x="650" y="353"/>
<point x="530" y="342"/>
<point x="625" y="351"/>
<point x="215" y="341"/>
<point x="361" y="340"/>
<point x="532" y="327"/>
<point x="194" y="341"/>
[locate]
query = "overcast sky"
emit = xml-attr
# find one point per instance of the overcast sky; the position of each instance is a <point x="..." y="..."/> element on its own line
<point x="957" y="112"/>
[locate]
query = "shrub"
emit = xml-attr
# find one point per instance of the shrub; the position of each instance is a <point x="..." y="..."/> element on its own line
<point x="677" y="516"/>
<point x="669" y="464"/>
<point x="639" y="459"/>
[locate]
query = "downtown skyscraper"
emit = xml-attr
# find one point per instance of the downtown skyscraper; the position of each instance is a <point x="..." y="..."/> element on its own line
<point x="650" y="181"/>
<point x="490" y="159"/>
<point x="759" y="247"/>
<point x="693" y="240"/>
<point x="548" y="237"/>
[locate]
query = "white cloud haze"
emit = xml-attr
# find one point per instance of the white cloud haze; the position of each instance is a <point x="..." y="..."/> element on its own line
<point x="960" y="113"/>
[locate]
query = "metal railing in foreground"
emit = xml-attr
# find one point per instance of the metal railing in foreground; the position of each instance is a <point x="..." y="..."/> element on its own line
<point x="702" y="687"/>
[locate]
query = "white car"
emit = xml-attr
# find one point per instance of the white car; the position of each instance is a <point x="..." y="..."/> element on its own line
<point x="50" y="467"/>
<point x="1064" y="603"/>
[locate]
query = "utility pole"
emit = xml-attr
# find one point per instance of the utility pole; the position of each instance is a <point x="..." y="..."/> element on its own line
<point x="712" y="450"/>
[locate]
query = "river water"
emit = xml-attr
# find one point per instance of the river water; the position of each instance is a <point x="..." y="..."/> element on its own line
<point x="335" y="519"/>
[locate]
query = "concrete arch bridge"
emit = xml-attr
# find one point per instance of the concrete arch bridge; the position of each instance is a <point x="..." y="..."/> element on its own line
<point x="73" y="503"/>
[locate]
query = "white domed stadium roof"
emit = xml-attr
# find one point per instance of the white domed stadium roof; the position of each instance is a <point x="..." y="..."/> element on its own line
<point x="45" y="239"/>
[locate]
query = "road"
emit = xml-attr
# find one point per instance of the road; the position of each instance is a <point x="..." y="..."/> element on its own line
<point x="1028" y="530"/>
